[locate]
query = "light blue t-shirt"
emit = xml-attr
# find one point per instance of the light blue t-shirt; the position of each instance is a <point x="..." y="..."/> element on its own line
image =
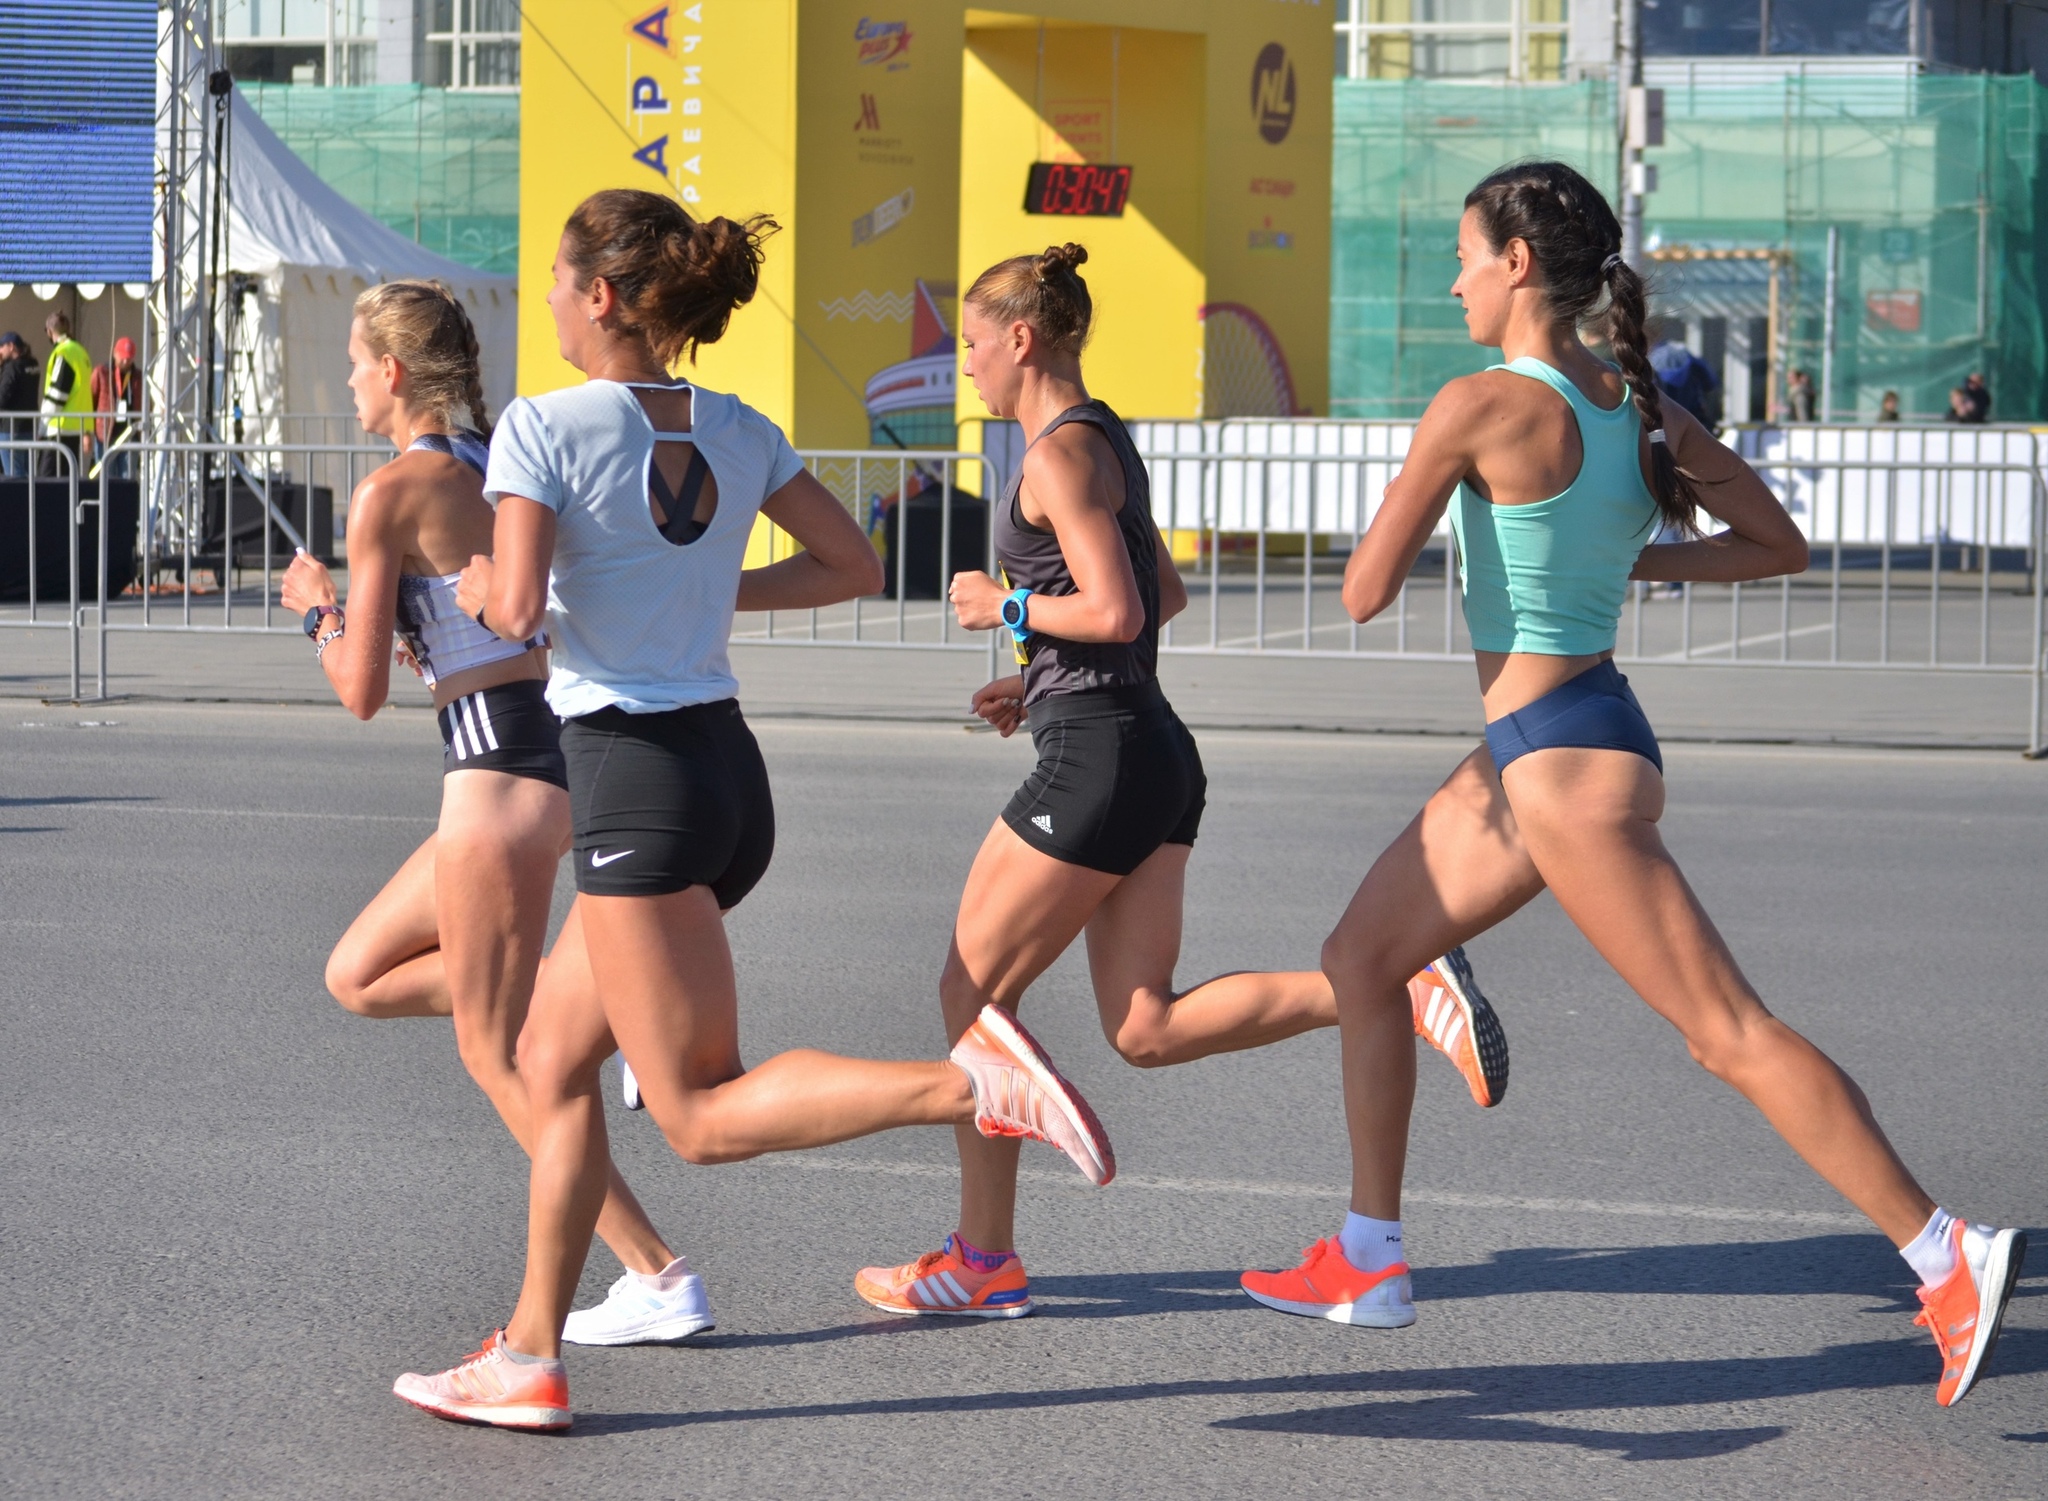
<point x="636" y="620"/>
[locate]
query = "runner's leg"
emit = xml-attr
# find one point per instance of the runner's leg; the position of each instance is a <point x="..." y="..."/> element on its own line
<point x="1019" y="911"/>
<point x="388" y="963"/>
<point x="1589" y="819"/>
<point x="1455" y="871"/>
<point x="500" y="841"/>
<point x="667" y="1000"/>
<point x="1133" y="946"/>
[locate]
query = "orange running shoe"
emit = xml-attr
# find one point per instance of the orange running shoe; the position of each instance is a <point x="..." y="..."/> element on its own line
<point x="1017" y="1092"/>
<point x="1455" y="1017"/>
<point x="494" y="1390"/>
<point x="1326" y="1286"/>
<point x="943" y="1282"/>
<point x="1963" y="1314"/>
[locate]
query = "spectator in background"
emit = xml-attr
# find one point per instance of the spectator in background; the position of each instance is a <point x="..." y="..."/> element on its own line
<point x="1684" y="376"/>
<point x="1960" y="407"/>
<point x="1799" y="396"/>
<point x="1888" y="408"/>
<point x="67" y="394"/>
<point x="117" y="388"/>
<point x="1979" y="394"/>
<point x="18" y="395"/>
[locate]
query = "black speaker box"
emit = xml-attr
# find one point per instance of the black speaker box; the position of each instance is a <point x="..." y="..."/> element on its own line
<point x="52" y="537"/>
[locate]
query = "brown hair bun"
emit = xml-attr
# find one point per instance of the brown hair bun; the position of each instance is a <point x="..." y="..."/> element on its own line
<point x="678" y="279"/>
<point x="1045" y="291"/>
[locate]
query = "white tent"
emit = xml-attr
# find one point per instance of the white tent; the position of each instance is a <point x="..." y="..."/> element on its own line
<point x="314" y="251"/>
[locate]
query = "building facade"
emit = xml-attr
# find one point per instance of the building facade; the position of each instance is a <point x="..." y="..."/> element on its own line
<point x="1848" y="188"/>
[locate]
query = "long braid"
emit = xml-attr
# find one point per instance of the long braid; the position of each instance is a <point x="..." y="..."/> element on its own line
<point x="1627" y="322"/>
<point x="473" y="360"/>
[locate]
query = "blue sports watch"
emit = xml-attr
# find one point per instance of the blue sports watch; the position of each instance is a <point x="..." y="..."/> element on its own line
<point x="1017" y="614"/>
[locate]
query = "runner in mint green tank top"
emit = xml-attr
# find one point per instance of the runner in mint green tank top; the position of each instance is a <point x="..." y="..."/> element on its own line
<point x="1550" y="576"/>
<point x="1556" y="468"/>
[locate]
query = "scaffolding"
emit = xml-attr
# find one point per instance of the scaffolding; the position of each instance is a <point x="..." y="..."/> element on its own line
<point x="440" y="166"/>
<point x="1916" y="198"/>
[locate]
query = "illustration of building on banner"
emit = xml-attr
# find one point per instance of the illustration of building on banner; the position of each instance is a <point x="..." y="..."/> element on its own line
<point x="910" y="404"/>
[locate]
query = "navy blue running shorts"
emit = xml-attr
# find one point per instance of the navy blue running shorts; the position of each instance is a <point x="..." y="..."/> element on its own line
<point x="1597" y="710"/>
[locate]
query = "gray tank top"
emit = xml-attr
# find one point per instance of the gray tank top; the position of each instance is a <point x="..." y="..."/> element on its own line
<point x="1031" y="559"/>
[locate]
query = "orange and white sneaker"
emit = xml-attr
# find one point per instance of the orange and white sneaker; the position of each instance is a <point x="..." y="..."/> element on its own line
<point x="1964" y="1313"/>
<point x="1017" y="1092"/>
<point x="491" y="1388"/>
<point x="943" y="1282"/>
<point x="1326" y="1286"/>
<point x="1455" y="1017"/>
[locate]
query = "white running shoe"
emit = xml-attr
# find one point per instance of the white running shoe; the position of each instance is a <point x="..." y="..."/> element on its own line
<point x="629" y="1085"/>
<point x="1018" y="1092"/>
<point x="635" y="1313"/>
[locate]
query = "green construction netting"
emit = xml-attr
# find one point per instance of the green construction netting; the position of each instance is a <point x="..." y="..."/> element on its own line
<point x="440" y="166"/>
<point x="1932" y="184"/>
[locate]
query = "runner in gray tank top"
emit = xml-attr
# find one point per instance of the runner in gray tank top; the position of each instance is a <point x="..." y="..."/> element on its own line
<point x="1099" y="835"/>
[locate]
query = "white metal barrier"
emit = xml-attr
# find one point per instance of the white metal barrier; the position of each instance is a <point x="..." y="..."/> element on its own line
<point x="1928" y="548"/>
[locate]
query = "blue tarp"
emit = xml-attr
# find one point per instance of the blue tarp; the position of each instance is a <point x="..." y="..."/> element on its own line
<point x="77" y="120"/>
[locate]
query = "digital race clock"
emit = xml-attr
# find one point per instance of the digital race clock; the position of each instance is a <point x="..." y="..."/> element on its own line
<point x="1086" y="189"/>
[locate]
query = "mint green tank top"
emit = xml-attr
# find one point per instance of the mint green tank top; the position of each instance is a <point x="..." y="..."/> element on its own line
<point x="1550" y="577"/>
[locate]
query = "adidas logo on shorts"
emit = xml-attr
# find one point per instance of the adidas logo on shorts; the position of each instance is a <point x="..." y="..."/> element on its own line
<point x="1044" y="821"/>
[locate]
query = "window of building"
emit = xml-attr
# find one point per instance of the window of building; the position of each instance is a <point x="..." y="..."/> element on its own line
<point x="1722" y="28"/>
<point x="301" y="41"/>
<point x="473" y="44"/>
<point x="1519" y="39"/>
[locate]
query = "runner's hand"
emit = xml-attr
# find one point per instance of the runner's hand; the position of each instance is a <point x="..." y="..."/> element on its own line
<point x="404" y="658"/>
<point x="473" y="591"/>
<point x="977" y="601"/>
<point x="1001" y="703"/>
<point x="306" y="583"/>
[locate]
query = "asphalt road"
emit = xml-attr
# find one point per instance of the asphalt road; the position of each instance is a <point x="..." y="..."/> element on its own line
<point x="230" y="1213"/>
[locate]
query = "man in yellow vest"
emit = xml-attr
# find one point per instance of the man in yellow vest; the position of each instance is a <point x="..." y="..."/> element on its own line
<point x="67" y="394"/>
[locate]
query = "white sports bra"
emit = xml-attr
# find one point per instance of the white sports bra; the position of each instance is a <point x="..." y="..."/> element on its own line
<point x="442" y="639"/>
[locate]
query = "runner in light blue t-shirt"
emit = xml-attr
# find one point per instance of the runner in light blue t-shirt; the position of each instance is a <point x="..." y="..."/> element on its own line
<point x="624" y="508"/>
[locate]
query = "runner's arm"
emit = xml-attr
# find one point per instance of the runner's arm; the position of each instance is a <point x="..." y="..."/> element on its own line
<point x="1173" y="589"/>
<point x="1079" y="495"/>
<point x="1761" y="541"/>
<point x="837" y="562"/>
<point x="510" y="587"/>
<point x="1439" y="456"/>
<point x="357" y="662"/>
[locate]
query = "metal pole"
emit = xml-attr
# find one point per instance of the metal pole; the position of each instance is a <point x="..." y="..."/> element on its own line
<point x="1628" y="75"/>
<point x="1827" y="325"/>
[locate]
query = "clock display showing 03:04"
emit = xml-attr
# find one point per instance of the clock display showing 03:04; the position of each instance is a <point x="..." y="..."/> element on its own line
<point x="1077" y="189"/>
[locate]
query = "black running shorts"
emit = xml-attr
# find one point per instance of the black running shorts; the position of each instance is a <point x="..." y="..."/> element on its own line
<point x="509" y="728"/>
<point x="1118" y="775"/>
<point x="665" y="801"/>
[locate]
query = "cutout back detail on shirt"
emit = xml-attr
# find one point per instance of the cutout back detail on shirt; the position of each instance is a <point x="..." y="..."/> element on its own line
<point x="673" y="510"/>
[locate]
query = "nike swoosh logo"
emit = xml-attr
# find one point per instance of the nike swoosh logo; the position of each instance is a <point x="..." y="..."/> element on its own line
<point x="597" y="860"/>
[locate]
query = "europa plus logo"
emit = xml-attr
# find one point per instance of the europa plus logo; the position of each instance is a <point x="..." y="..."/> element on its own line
<point x="883" y="43"/>
<point x="1273" y="93"/>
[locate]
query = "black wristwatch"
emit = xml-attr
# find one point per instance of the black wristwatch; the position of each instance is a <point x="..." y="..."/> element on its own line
<point x="314" y="616"/>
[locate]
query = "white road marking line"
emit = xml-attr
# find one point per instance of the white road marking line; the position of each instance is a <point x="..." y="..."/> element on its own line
<point x="1334" y="1194"/>
<point x="1720" y="646"/>
<point x="249" y="813"/>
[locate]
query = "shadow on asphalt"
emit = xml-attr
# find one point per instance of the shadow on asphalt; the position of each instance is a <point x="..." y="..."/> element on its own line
<point x="66" y="802"/>
<point x="1481" y="1404"/>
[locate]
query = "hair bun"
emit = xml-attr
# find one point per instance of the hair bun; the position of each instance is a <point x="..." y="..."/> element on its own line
<point x="1068" y="257"/>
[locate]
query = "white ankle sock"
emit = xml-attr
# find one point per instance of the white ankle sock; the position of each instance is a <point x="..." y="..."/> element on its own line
<point x="1370" y="1245"/>
<point x="669" y="1277"/>
<point x="1932" y="1253"/>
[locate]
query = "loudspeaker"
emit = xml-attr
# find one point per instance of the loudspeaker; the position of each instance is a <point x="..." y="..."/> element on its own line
<point x="52" y="537"/>
<point x="922" y="575"/>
